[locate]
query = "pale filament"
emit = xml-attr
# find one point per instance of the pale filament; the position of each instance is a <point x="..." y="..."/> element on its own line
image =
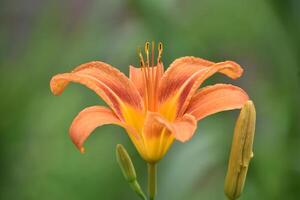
<point x="150" y="75"/>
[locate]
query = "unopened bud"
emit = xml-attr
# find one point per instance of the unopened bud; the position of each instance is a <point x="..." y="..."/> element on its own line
<point x="241" y="151"/>
<point x="128" y="170"/>
<point x="125" y="163"/>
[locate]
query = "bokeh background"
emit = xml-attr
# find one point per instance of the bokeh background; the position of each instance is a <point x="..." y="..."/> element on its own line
<point x="39" y="38"/>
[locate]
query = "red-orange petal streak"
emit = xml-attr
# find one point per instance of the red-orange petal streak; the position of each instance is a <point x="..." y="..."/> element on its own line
<point x="178" y="73"/>
<point x="109" y="83"/>
<point x="216" y="98"/>
<point x="229" y="68"/>
<point x="187" y="74"/>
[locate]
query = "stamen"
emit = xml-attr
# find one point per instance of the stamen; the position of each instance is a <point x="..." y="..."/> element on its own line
<point x="150" y="77"/>
<point x="152" y="53"/>
<point x="144" y="72"/>
<point x="141" y="57"/>
<point x="147" y="44"/>
<point x="150" y="74"/>
<point x="160" y="50"/>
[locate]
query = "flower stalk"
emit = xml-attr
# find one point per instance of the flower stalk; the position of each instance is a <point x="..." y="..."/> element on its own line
<point x="152" y="180"/>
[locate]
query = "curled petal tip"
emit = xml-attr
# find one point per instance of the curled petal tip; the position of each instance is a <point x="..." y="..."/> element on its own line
<point x="237" y="69"/>
<point x="57" y="86"/>
<point x="82" y="150"/>
<point x="182" y="140"/>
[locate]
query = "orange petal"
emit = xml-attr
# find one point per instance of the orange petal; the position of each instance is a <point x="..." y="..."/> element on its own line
<point x="186" y="74"/>
<point x="182" y="128"/>
<point x="91" y="118"/>
<point x="216" y="98"/>
<point x="136" y="76"/>
<point x="178" y="73"/>
<point x="185" y="127"/>
<point x="109" y="83"/>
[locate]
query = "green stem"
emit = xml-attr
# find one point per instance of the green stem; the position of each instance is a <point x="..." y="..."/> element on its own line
<point x="137" y="188"/>
<point x="152" y="168"/>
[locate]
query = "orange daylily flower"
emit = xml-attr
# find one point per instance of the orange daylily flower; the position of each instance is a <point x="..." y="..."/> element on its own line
<point x="153" y="106"/>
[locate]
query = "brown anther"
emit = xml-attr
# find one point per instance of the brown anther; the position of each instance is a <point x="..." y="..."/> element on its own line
<point x="141" y="57"/>
<point x="160" y="50"/>
<point x="147" y="44"/>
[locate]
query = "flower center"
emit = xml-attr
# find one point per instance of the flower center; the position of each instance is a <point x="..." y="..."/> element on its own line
<point x="151" y="74"/>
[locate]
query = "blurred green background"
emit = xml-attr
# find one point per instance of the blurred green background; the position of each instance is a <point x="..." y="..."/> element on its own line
<point x="41" y="38"/>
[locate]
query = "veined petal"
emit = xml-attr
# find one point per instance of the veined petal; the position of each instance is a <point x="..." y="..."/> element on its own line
<point x="177" y="74"/>
<point x="137" y="76"/>
<point x="109" y="83"/>
<point x="216" y="98"/>
<point x="186" y="75"/>
<point x="91" y="118"/>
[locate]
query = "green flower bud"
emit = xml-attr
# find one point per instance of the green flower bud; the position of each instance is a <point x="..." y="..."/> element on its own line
<point x="128" y="170"/>
<point x="241" y="151"/>
<point x="125" y="163"/>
